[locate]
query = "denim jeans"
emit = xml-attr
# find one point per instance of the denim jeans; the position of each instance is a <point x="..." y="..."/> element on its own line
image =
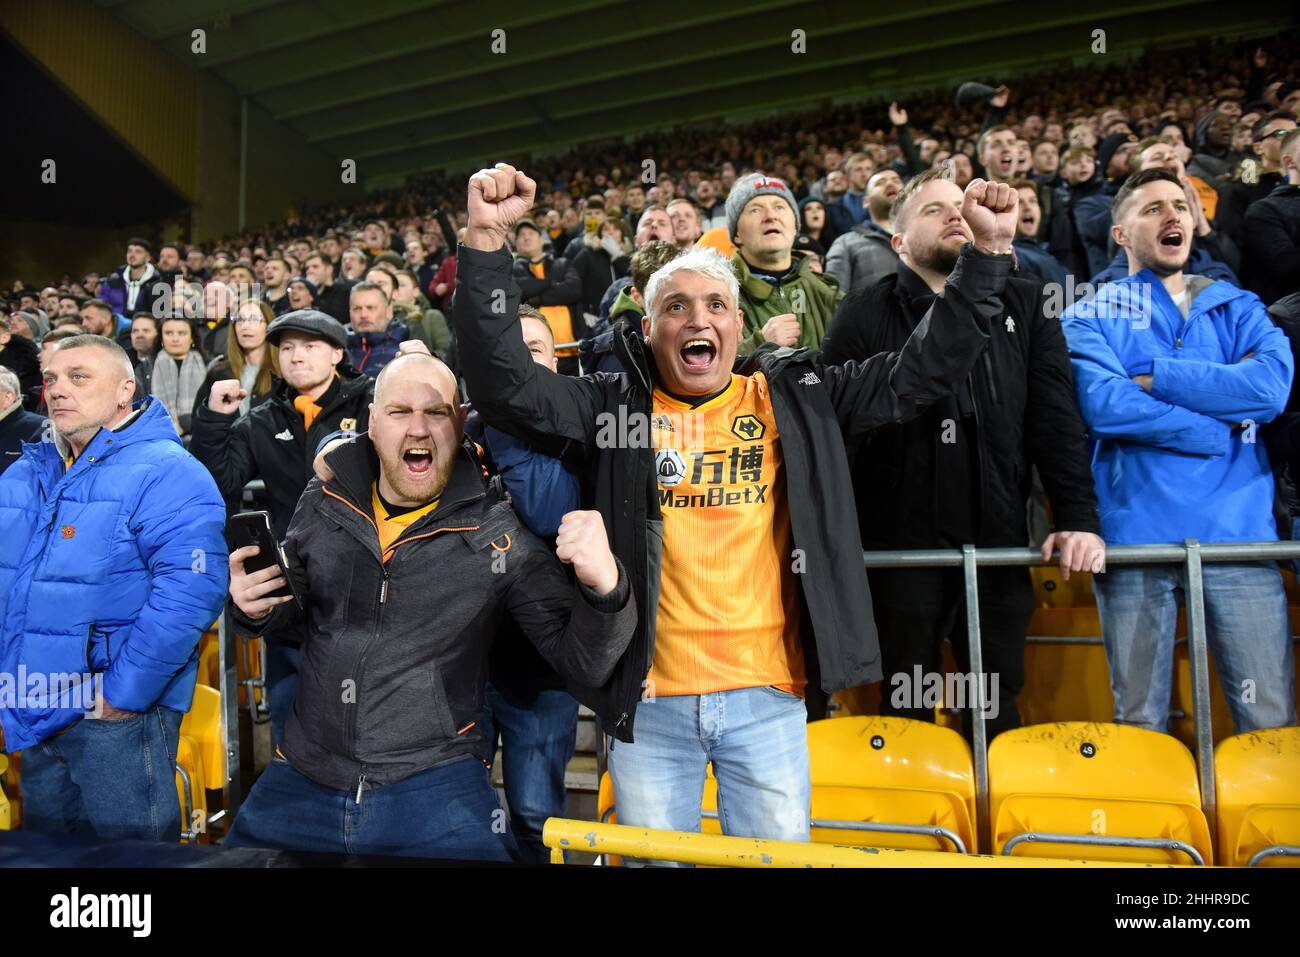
<point x="757" y="740"/>
<point x="449" y="811"/>
<point x="112" y="778"/>
<point x="281" y="684"/>
<point x="538" y="730"/>
<point x="1247" y="629"/>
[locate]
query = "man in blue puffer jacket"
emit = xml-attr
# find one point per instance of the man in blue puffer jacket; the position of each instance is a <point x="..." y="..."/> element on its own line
<point x="1174" y="373"/>
<point x="114" y="564"/>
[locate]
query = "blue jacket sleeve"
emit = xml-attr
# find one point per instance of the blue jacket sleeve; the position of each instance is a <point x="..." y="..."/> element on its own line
<point x="543" y="490"/>
<point x="1115" y="407"/>
<point x="1255" y="389"/>
<point x="179" y="528"/>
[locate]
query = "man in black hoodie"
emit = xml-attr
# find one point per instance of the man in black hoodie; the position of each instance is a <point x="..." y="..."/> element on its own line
<point x="407" y="561"/>
<point x="1270" y="267"/>
<point x="959" y="474"/>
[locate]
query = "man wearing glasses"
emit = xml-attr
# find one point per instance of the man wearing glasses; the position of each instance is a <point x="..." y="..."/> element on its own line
<point x="1259" y="176"/>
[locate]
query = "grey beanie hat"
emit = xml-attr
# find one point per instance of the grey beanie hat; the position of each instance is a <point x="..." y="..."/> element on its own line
<point x="311" y="321"/>
<point x="746" y="188"/>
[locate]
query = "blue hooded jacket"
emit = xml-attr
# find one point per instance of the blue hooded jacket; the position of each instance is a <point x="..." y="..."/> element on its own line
<point x="1183" y="461"/>
<point x="117" y="565"/>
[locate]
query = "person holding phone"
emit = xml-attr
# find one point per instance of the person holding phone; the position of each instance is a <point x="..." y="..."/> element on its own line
<point x="383" y="752"/>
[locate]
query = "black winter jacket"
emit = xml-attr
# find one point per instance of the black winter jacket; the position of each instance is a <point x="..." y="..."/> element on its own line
<point x="393" y="665"/>
<point x="1022" y="395"/>
<point x="270" y="442"/>
<point x="817" y="407"/>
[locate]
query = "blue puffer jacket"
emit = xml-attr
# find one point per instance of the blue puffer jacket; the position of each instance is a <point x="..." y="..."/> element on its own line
<point x="1177" y="463"/>
<point x="116" y="566"/>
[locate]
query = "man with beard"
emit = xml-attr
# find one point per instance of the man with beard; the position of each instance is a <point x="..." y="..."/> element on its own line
<point x="864" y="255"/>
<point x="276" y="440"/>
<point x="1174" y="372"/>
<point x="407" y="561"/>
<point x="959" y="474"/>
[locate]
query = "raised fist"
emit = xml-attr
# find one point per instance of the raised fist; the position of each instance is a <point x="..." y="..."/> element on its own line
<point x="784" y="329"/>
<point x="1000" y="96"/>
<point x="897" y="115"/>
<point x="990" y="209"/>
<point x="498" y="198"/>
<point x="226" y="396"/>
<point x="582" y="543"/>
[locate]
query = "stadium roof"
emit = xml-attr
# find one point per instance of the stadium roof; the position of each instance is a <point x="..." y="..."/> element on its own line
<point x="407" y="85"/>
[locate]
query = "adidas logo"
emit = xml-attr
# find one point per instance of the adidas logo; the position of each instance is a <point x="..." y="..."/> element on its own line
<point x="285" y="436"/>
<point x="810" y="378"/>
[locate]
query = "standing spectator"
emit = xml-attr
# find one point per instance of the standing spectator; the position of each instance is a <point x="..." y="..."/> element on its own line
<point x="443" y="284"/>
<point x="99" y="319"/>
<point x="375" y="337"/>
<point x="275" y="285"/>
<point x="145" y="342"/>
<point x="17" y="425"/>
<point x="30" y="325"/>
<point x="275" y="441"/>
<point x="218" y="301"/>
<point x="137" y="285"/>
<point x="712" y="207"/>
<point x="353" y="263"/>
<point x="859" y="168"/>
<point x="1267" y="137"/>
<point x="812" y="216"/>
<point x="839" y="219"/>
<point x="178" y="371"/>
<point x="427" y="324"/>
<point x="1032" y="257"/>
<point x="114" y="568"/>
<point x="21" y="357"/>
<point x="557" y="289"/>
<point x="864" y="255"/>
<point x="959" y="474"/>
<point x="301" y="293"/>
<point x="782" y="298"/>
<point x="246" y="357"/>
<point x="600" y="258"/>
<point x="331" y="296"/>
<point x="686" y="222"/>
<point x="1272" y="261"/>
<point x="1173" y="374"/>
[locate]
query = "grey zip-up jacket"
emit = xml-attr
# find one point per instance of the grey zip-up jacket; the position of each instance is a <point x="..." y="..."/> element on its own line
<point x="395" y="656"/>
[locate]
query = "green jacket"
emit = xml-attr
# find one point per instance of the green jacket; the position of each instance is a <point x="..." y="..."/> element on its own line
<point x="810" y="295"/>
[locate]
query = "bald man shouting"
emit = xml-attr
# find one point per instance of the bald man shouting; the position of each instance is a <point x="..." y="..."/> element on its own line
<point x="407" y="560"/>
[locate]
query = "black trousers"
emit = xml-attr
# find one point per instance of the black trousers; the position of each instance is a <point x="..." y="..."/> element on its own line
<point x="917" y="608"/>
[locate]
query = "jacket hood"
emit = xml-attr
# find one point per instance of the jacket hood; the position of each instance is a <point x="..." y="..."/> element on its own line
<point x="149" y="421"/>
<point x="625" y="304"/>
<point x="1119" y="293"/>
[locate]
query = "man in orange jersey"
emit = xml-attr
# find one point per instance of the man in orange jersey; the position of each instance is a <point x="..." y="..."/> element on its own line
<point x="726" y="493"/>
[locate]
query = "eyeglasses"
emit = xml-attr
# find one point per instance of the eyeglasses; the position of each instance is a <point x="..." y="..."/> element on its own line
<point x="249" y="320"/>
<point x="1276" y="134"/>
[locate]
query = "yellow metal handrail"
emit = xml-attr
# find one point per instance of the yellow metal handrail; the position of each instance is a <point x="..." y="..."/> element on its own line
<point x="561" y="834"/>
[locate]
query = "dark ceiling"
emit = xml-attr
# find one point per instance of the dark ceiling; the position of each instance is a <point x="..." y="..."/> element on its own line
<point x="408" y="85"/>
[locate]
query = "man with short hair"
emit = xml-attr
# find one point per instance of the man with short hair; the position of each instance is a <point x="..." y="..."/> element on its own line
<point x="1174" y="373"/>
<point x="859" y="168"/>
<point x="196" y="264"/>
<point x="275" y="285"/>
<point x="301" y="293"/>
<point x="731" y="636"/>
<point x="782" y="298"/>
<point x="374" y="338"/>
<point x="170" y="264"/>
<point x="1046" y="163"/>
<point x="960" y="474"/>
<point x="113" y="568"/>
<point x="22" y="356"/>
<point x="395" y="765"/>
<point x="137" y="285"/>
<point x="863" y="256"/>
<point x="317" y="395"/>
<point x="98" y="319"/>
<point x="353" y="263"/>
<point x="332" y="298"/>
<point x="654" y="224"/>
<point x="1267" y="136"/>
<point x="712" y="207"/>
<point x="1271" y="266"/>
<point x="839" y="220"/>
<point x="69" y="309"/>
<point x="1032" y="255"/>
<point x="17" y="425"/>
<point x="996" y="150"/>
<point x="686" y="222"/>
<point x="553" y="287"/>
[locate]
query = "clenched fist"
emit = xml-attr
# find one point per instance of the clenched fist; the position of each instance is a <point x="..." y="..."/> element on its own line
<point x="990" y="210"/>
<point x="582" y="543"/>
<point x="226" y="396"/>
<point x="498" y="198"/>
<point x="784" y="329"/>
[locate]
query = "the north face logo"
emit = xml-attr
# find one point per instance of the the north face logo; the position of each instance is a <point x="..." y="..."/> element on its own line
<point x="809" y="378"/>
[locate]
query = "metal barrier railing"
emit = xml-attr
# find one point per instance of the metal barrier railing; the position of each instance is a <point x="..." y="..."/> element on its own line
<point x="1191" y="554"/>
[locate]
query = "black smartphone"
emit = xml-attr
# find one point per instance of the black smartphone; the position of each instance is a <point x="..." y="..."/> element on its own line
<point x="254" y="528"/>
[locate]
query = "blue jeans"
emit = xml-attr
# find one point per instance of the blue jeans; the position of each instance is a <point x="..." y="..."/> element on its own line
<point x="1247" y="630"/>
<point x="114" y="778"/>
<point x="538" y="729"/>
<point x="449" y="811"/>
<point x="281" y="684"/>
<point x="757" y="740"/>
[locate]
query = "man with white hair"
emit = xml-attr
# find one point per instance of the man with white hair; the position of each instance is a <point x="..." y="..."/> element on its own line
<point x="114" y="566"/>
<point x="17" y="425"/>
<point x="750" y="587"/>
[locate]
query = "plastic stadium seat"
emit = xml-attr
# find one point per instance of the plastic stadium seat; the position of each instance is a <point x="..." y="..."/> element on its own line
<point x="892" y="771"/>
<point x="1065" y="680"/>
<point x="209" y="660"/>
<point x="1088" y="785"/>
<point x="6" y="821"/>
<point x="1053" y="591"/>
<point x="1257" y="778"/>
<point x="200" y="757"/>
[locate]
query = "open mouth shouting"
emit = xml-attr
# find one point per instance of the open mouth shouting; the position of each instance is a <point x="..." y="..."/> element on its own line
<point x="418" y="461"/>
<point x="1172" y="238"/>
<point x="699" y="354"/>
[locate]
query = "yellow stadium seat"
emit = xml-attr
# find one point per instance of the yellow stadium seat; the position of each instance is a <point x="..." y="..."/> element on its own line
<point x="200" y="758"/>
<point x="1181" y="725"/>
<point x="1053" y="591"/>
<point x="6" y="821"/>
<point x="891" y="771"/>
<point x="209" y="660"/>
<point x="1257" y="779"/>
<point x="1078" y="789"/>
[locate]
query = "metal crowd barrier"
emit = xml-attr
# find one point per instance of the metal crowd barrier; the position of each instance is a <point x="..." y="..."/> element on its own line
<point x="1191" y="554"/>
